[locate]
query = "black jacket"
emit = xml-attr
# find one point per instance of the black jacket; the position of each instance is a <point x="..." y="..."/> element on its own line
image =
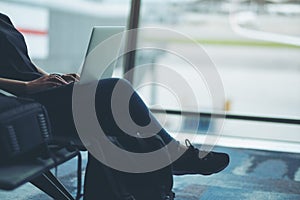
<point x="14" y="60"/>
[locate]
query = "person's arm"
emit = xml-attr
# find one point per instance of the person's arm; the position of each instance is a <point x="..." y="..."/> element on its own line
<point x="42" y="71"/>
<point x="12" y="86"/>
<point x="17" y="87"/>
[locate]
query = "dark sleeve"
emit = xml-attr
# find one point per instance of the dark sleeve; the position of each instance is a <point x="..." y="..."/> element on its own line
<point x="14" y="60"/>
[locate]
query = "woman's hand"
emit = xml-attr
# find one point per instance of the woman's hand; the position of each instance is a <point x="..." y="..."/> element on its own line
<point x="17" y="87"/>
<point x="70" y="78"/>
<point x="44" y="82"/>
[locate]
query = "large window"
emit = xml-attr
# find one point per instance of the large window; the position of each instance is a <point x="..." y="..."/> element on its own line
<point x="254" y="46"/>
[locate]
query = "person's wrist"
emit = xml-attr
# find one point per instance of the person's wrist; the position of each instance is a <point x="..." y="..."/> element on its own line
<point x="24" y="87"/>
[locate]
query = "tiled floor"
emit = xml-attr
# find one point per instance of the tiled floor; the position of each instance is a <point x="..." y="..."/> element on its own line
<point x="252" y="174"/>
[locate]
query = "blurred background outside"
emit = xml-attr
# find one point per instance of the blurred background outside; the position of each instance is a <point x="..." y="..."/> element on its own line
<point x="254" y="44"/>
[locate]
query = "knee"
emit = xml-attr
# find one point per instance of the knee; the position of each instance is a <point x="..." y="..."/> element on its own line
<point x="112" y="82"/>
<point x="109" y="85"/>
<point x="122" y="82"/>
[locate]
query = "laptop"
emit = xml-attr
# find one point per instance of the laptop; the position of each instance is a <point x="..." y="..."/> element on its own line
<point x="104" y="48"/>
<point x="100" y="53"/>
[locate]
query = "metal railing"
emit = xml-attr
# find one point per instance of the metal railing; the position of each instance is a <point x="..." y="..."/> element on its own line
<point x="272" y="119"/>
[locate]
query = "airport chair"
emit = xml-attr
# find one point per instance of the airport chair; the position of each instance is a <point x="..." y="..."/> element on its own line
<point x="37" y="171"/>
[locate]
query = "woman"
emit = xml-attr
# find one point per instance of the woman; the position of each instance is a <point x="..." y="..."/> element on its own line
<point x="19" y="76"/>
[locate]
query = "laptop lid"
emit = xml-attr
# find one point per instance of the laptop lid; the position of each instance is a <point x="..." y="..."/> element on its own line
<point x="104" y="47"/>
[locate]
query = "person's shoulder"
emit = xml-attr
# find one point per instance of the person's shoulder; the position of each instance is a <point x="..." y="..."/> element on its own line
<point x="5" y="18"/>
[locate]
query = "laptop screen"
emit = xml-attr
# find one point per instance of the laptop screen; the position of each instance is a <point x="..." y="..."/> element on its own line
<point x="104" y="46"/>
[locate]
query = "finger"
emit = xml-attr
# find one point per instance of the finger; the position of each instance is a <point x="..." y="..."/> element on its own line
<point x="76" y="76"/>
<point x="69" y="76"/>
<point x="58" y="79"/>
<point x="73" y="77"/>
<point x="69" y="79"/>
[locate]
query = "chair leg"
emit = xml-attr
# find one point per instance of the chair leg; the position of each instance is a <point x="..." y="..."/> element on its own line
<point x="58" y="184"/>
<point x="51" y="186"/>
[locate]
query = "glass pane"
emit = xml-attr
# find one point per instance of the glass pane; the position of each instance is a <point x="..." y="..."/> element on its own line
<point x="254" y="45"/>
<point x="57" y="32"/>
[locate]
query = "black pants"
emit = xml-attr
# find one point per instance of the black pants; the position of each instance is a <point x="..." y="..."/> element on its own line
<point x="58" y="102"/>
